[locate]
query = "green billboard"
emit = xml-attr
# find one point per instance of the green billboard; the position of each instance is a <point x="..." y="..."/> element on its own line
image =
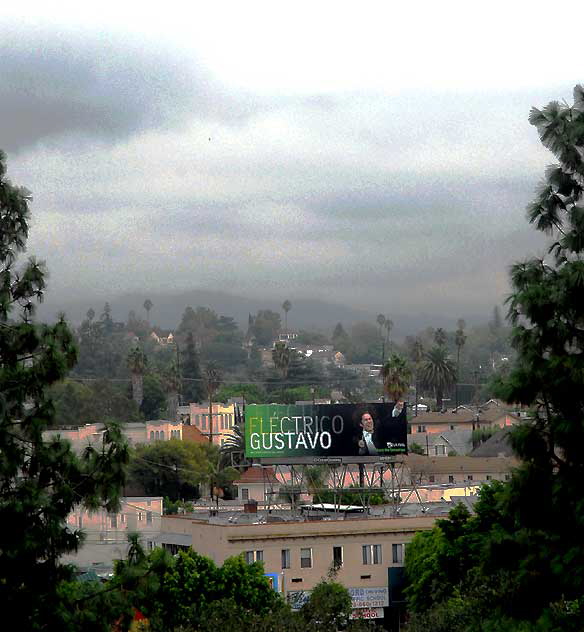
<point x="361" y="432"/>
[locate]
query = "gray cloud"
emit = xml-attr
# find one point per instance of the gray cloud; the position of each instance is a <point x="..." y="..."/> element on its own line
<point x="414" y="201"/>
<point x="59" y="84"/>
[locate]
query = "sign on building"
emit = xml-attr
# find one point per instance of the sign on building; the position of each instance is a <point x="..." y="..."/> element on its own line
<point x="367" y="613"/>
<point x="325" y="432"/>
<point x="369" y="597"/>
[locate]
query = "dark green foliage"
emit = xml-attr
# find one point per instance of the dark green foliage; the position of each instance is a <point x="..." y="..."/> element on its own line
<point x="329" y="606"/>
<point x="192" y="385"/>
<point x="154" y="401"/>
<point x="519" y="563"/>
<point x="194" y="584"/>
<point x="40" y="482"/>
<point x="265" y="327"/>
<point x="252" y="393"/>
<point x="173" y="469"/>
<point x="416" y="448"/>
<point x="78" y="403"/>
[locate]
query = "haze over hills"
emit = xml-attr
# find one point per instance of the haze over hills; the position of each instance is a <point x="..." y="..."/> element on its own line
<point x="306" y="313"/>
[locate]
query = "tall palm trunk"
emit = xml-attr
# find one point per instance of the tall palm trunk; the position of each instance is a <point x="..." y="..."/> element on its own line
<point x="138" y="388"/>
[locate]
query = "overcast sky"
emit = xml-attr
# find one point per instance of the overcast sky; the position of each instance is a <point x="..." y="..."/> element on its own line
<point x="379" y="157"/>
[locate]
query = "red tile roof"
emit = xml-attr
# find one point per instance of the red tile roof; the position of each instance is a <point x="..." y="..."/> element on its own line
<point x="257" y="475"/>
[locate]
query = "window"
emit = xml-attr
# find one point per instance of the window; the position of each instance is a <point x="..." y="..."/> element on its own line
<point x="204" y="422"/>
<point x="114" y="521"/>
<point x="372" y="554"/>
<point x="162" y="434"/>
<point x="81" y="521"/>
<point x="489" y="477"/>
<point x="148" y="503"/>
<point x="244" y="493"/>
<point x="507" y="477"/>
<point x="397" y="553"/>
<point x="285" y="558"/>
<point x="451" y="426"/>
<point x="197" y="420"/>
<point x="338" y="556"/>
<point x="440" y="450"/>
<point x="253" y="556"/>
<point x="421" y="428"/>
<point x="148" y="517"/>
<point x="450" y="478"/>
<point x="139" y="516"/>
<point x="152" y="435"/>
<point x="305" y="558"/>
<point x="431" y="478"/>
<point x="157" y="435"/>
<point x="469" y="477"/>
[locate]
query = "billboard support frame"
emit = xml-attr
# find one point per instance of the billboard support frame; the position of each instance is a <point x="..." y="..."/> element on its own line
<point x="342" y="478"/>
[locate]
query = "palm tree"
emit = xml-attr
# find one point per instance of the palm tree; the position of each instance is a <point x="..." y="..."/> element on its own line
<point x="148" y="305"/>
<point x="417" y="355"/>
<point x="233" y="448"/>
<point x="396" y="375"/>
<point x="286" y="306"/>
<point x="388" y="327"/>
<point x="440" y="337"/>
<point x="172" y="387"/>
<point x="459" y="340"/>
<point x="213" y="379"/>
<point x="380" y="321"/>
<point x="136" y="362"/>
<point x="281" y="356"/>
<point x="438" y="372"/>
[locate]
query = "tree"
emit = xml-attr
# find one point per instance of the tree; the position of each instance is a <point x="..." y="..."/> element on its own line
<point x="213" y="380"/>
<point x="438" y="372"/>
<point x="459" y="340"/>
<point x="396" y="376"/>
<point x="172" y="380"/>
<point x="251" y="393"/>
<point x="191" y="589"/>
<point x="514" y="565"/>
<point x="286" y="306"/>
<point x="440" y="337"/>
<point x="90" y="314"/>
<point x="192" y="384"/>
<point x="388" y="327"/>
<point x="148" y="305"/>
<point x="173" y="468"/>
<point x="328" y="607"/>
<point x="281" y="354"/>
<point x="545" y="309"/>
<point x="39" y="482"/>
<point x="341" y="339"/>
<point x="96" y="401"/>
<point x="380" y="321"/>
<point x="265" y="327"/>
<point x="137" y="365"/>
<point x="154" y="402"/>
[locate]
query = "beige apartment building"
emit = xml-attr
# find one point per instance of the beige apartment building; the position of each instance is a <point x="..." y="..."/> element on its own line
<point x="297" y="554"/>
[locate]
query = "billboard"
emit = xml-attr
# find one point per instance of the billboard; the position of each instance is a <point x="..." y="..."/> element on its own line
<point x="321" y="433"/>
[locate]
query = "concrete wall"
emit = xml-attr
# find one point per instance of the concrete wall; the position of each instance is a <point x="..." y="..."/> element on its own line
<point x="222" y="541"/>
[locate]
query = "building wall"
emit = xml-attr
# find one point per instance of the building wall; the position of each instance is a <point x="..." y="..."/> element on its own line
<point x="106" y="534"/>
<point x="223" y="419"/>
<point x="134" y="432"/>
<point x="222" y="541"/>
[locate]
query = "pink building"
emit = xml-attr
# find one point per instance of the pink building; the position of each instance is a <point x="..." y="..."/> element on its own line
<point x="223" y="420"/>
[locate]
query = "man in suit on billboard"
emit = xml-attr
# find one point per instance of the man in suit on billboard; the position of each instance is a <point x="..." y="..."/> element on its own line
<point x="369" y="439"/>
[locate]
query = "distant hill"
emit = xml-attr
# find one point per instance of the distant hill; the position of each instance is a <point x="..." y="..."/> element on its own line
<point x="306" y="313"/>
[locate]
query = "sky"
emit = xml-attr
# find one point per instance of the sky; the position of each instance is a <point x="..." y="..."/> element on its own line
<point x="369" y="154"/>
